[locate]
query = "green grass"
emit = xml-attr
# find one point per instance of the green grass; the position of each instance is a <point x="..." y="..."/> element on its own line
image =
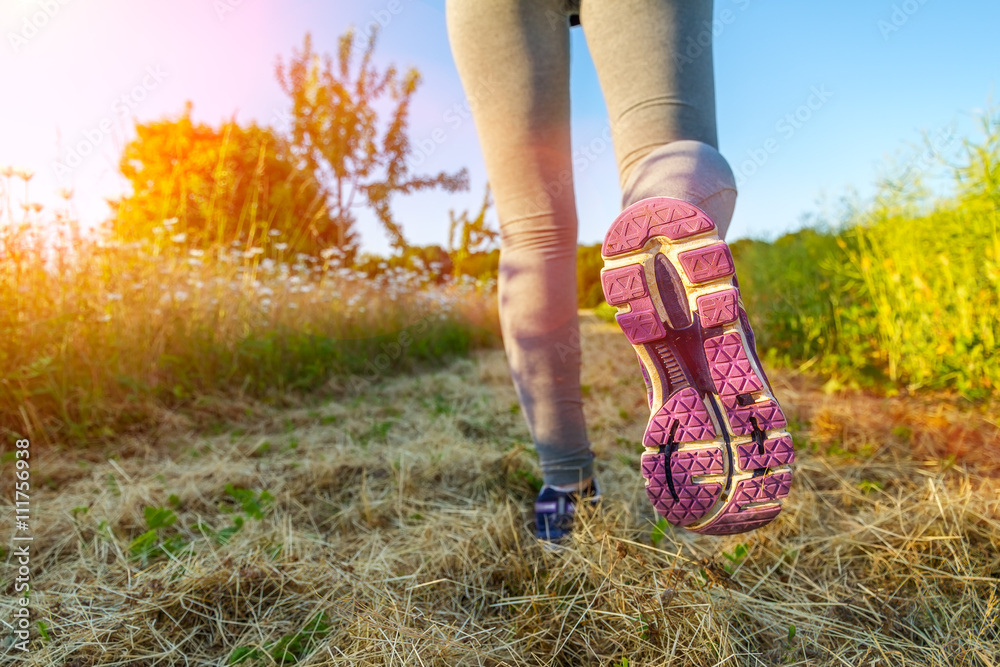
<point x="905" y="295"/>
<point x="902" y="293"/>
<point x="102" y="337"/>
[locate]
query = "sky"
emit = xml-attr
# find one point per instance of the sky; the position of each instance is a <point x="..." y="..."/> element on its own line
<point x="814" y="99"/>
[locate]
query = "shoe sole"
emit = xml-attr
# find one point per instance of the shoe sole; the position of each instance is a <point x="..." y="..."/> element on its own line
<point x="717" y="456"/>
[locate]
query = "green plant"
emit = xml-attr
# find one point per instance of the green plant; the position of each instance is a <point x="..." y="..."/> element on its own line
<point x="605" y="312"/>
<point x="790" y="637"/>
<point x="659" y="531"/>
<point x="869" y="486"/>
<point x="152" y="544"/>
<point x="736" y="558"/>
<point x="253" y="504"/>
<point x="290" y="648"/>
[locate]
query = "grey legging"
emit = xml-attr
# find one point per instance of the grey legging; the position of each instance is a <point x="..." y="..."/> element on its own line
<point x="654" y="62"/>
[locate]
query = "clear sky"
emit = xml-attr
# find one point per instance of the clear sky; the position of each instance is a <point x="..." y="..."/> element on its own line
<point x="78" y="72"/>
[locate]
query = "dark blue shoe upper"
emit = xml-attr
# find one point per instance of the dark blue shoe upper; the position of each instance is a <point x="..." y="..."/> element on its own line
<point x="554" y="511"/>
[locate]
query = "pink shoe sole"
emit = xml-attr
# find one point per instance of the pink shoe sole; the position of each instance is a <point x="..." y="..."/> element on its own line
<point x="717" y="456"/>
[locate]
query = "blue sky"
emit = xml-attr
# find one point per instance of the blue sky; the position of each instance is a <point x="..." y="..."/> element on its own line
<point x="878" y="74"/>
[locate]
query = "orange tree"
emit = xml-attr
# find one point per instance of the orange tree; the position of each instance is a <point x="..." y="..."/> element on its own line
<point x="221" y="184"/>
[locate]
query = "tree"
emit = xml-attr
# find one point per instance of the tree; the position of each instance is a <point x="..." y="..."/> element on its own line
<point x="338" y="132"/>
<point x="474" y="237"/>
<point x="220" y="185"/>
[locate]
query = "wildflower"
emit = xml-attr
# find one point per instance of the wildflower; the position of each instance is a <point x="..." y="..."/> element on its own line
<point x="104" y="318"/>
<point x="293" y="305"/>
<point x="181" y="295"/>
<point x="265" y="291"/>
<point x="325" y="254"/>
<point x="280" y="246"/>
<point x="65" y="193"/>
<point x="112" y="296"/>
<point x="24" y="174"/>
<point x="179" y="238"/>
<point x="275" y="232"/>
<point x="7" y="171"/>
<point x="170" y="222"/>
<point x="195" y="252"/>
<point x="265" y="303"/>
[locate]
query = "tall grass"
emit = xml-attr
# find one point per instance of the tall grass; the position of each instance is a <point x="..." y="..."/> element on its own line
<point x="905" y="295"/>
<point x="102" y="336"/>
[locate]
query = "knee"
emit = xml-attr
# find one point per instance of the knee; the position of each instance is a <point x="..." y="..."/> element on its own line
<point x="538" y="236"/>
<point x="690" y="170"/>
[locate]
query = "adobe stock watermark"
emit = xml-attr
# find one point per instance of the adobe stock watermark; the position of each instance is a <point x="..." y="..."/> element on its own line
<point x="281" y="118"/>
<point x="453" y="118"/>
<point x="224" y="8"/>
<point x="786" y="127"/>
<point x="935" y="146"/>
<point x="122" y="107"/>
<point x="696" y="45"/>
<point x="33" y="23"/>
<point x="900" y="15"/>
<point x="382" y="18"/>
<point x="583" y="156"/>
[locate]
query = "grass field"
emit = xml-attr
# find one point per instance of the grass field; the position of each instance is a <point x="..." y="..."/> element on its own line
<point x="102" y="338"/>
<point x="244" y="457"/>
<point x="390" y="525"/>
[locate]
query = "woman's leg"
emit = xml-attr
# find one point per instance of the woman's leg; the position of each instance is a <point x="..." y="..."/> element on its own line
<point x="654" y="62"/>
<point x="513" y="59"/>
<point x="717" y="456"/>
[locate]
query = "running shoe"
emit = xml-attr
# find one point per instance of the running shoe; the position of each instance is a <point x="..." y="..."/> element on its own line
<point x="717" y="458"/>
<point x="554" y="511"/>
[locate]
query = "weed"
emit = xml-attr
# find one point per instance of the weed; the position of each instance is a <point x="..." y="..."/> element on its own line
<point x="253" y="504"/>
<point x="659" y="532"/>
<point x="376" y="432"/>
<point x="152" y="544"/>
<point x="869" y="486"/>
<point x="290" y="648"/>
<point x="736" y="558"/>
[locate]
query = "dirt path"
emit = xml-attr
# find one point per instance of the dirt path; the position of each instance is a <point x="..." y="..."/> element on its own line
<point x="392" y="526"/>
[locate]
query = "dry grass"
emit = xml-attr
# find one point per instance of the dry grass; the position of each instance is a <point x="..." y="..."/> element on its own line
<point x="402" y="515"/>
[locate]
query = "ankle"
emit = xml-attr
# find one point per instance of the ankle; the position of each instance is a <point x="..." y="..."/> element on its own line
<point x="572" y="487"/>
